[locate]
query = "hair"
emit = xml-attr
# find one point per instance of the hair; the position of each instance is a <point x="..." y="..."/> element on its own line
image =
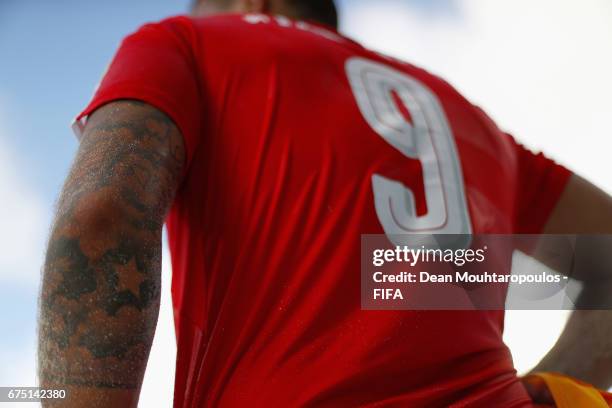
<point x="321" y="11"/>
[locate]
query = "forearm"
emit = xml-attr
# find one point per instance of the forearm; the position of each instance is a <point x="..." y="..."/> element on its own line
<point x="101" y="280"/>
<point x="584" y="349"/>
<point x="98" y="311"/>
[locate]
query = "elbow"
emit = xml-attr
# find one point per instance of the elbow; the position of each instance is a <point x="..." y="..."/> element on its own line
<point x="109" y="217"/>
<point x="595" y="295"/>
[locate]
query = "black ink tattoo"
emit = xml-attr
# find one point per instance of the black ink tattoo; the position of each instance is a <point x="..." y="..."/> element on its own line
<point x="101" y="282"/>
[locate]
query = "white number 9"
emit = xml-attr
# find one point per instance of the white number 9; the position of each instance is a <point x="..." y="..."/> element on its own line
<point x="428" y="139"/>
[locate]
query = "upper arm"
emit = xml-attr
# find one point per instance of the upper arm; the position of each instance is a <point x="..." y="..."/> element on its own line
<point x="143" y="124"/>
<point x="101" y="282"/>
<point x="582" y="209"/>
<point x="130" y="161"/>
<point x="540" y="183"/>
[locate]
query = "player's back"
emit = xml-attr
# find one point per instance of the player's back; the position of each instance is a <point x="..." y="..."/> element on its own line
<point x="299" y="141"/>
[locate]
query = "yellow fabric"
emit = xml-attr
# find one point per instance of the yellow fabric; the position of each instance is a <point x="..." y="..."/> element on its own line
<point x="570" y="393"/>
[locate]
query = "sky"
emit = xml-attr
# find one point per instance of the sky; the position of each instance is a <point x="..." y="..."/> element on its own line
<point x="540" y="69"/>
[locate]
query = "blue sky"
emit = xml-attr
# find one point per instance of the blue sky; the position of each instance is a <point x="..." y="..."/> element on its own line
<point x="52" y="54"/>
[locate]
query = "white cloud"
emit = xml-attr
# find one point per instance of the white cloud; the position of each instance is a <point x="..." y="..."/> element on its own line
<point x="23" y="219"/>
<point x="531" y="333"/>
<point x="158" y="386"/>
<point x="18" y="365"/>
<point x="24" y="222"/>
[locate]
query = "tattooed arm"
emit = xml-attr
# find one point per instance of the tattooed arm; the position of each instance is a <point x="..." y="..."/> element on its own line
<point x="101" y="281"/>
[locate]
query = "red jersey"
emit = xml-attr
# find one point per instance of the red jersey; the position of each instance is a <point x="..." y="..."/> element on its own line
<point x="298" y="141"/>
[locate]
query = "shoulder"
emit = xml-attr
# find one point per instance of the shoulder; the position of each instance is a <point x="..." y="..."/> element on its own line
<point x="191" y="31"/>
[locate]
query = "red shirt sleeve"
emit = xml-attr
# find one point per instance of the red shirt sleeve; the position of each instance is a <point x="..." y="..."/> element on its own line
<point x="541" y="181"/>
<point x="156" y="65"/>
